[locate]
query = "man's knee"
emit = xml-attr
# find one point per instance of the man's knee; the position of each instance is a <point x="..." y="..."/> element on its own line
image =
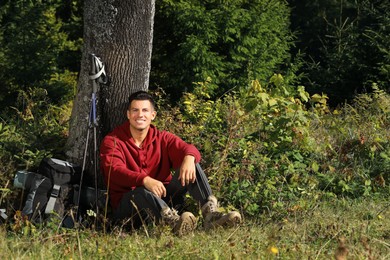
<point x="136" y="207"/>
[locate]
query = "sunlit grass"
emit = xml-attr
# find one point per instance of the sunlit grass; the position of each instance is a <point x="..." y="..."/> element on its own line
<point x="315" y="233"/>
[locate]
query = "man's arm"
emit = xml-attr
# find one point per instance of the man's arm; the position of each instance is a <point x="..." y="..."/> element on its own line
<point x="112" y="160"/>
<point x="113" y="163"/>
<point x="187" y="170"/>
<point x="178" y="149"/>
<point x="155" y="186"/>
<point x="187" y="175"/>
<point x="183" y="156"/>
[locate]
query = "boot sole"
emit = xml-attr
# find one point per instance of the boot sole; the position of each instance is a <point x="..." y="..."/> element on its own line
<point x="231" y="219"/>
<point x="186" y="224"/>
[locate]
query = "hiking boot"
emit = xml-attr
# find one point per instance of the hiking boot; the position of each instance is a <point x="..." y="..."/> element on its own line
<point x="213" y="218"/>
<point x="181" y="225"/>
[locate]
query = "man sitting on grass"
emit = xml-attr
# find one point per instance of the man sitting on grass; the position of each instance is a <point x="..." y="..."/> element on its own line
<point x="136" y="161"/>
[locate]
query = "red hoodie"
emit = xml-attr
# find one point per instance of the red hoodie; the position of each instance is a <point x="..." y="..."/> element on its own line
<point x="125" y="165"/>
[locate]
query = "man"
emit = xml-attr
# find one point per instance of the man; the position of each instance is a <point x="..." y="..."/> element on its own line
<point x="136" y="161"/>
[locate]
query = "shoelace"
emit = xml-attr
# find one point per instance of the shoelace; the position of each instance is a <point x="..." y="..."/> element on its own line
<point x="213" y="207"/>
<point x="170" y="216"/>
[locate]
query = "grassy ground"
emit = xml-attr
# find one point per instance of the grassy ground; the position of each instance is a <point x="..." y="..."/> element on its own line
<point x="361" y="228"/>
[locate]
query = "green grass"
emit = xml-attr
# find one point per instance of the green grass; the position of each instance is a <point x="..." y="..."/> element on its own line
<point x="303" y="234"/>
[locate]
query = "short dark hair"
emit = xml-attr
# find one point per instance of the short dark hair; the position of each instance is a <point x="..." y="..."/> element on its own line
<point x="142" y="95"/>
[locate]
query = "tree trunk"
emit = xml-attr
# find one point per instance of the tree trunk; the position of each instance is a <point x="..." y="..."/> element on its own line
<point x="120" y="33"/>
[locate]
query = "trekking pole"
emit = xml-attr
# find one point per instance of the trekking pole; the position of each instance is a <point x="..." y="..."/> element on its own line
<point x="94" y="126"/>
<point x="98" y="74"/>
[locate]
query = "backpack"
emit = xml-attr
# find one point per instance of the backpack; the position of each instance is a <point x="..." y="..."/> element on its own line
<point x="64" y="176"/>
<point x="50" y="190"/>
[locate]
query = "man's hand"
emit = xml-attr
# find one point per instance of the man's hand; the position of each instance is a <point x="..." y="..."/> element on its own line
<point x="155" y="186"/>
<point x="187" y="170"/>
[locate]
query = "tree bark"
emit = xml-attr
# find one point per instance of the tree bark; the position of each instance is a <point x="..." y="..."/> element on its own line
<point x="120" y="33"/>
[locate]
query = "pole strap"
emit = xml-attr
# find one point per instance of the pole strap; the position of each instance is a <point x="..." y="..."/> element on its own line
<point x="98" y="70"/>
<point x="2" y="214"/>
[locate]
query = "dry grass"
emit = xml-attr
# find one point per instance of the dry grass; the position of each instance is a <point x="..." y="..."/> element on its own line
<point x="337" y="228"/>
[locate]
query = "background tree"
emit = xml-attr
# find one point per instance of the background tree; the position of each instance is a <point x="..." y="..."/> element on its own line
<point x="231" y="42"/>
<point x="39" y="60"/>
<point x="120" y="33"/>
<point x="346" y="45"/>
<point x="40" y="47"/>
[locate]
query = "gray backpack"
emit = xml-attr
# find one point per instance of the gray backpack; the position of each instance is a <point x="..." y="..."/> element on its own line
<point x="50" y="191"/>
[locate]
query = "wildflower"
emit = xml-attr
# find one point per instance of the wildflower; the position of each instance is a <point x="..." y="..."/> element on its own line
<point x="274" y="250"/>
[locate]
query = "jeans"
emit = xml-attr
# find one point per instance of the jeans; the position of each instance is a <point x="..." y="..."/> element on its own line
<point x="142" y="206"/>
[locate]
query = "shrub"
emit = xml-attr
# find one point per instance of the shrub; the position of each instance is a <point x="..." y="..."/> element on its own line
<point x="353" y="144"/>
<point x="35" y="129"/>
<point x="265" y="148"/>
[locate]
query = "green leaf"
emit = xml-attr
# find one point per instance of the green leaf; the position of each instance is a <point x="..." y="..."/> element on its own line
<point x="251" y="105"/>
<point x="303" y="94"/>
<point x="264" y="97"/>
<point x="272" y="102"/>
<point x="315" y="166"/>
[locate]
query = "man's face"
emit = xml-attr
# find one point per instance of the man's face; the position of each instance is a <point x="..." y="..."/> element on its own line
<point x="140" y="114"/>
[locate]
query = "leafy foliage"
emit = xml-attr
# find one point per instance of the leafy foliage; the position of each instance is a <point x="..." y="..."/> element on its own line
<point x="356" y="145"/>
<point x="229" y="41"/>
<point x="266" y="148"/>
<point x="36" y="129"/>
<point x="37" y="50"/>
<point x="346" y="45"/>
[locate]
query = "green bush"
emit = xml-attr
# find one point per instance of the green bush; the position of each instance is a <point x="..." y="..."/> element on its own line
<point x="267" y="149"/>
<point x="34" y="128"/>
<point x="264" y="148"/>
<point x="40" y="48"/>
<point x="353" y="144"/>
<point x="230" y="41"/>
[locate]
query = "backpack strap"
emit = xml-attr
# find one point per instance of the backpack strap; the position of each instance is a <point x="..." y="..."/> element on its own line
<point x="55" y="192"/>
